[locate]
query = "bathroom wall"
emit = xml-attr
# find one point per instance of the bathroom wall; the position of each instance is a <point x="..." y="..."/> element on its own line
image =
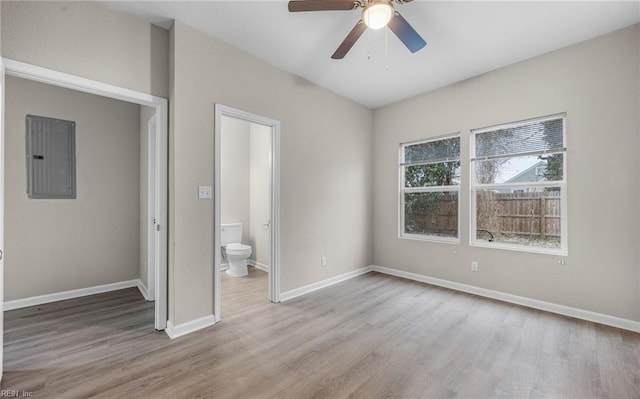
<point x="234" y="174"/>
<point x="260" y="176"/>
<point x="54" y="245"/>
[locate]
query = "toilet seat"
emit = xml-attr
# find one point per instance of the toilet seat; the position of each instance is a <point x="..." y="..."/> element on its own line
<point x="238" y="249"/>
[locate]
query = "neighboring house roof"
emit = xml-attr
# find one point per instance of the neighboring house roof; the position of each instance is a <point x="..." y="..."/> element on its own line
<point x="532" y="174"/>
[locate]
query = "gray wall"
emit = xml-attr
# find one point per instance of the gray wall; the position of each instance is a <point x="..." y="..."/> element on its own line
<point x="60" y="245"/>
<point x="260" y="203"/>
<point x="326" y="168"/>
<point x="234" y="174"/>
<point x="87" y="39"/>
<point x="597" y="84"/>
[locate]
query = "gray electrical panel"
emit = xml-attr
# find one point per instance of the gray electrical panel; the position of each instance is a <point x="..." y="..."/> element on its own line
<point x="51" y="158"/>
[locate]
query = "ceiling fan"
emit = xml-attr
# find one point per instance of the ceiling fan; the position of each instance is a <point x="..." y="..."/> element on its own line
<point x="376" y="14"/>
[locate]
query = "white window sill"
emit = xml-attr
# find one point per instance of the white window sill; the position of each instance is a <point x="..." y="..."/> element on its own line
<point x="519" y="248"/>
<point x="436" y="239"/>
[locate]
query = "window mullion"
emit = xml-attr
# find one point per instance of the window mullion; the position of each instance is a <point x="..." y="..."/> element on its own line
<point x="499" y="186"/>
<point x="521" y="154"/>
<point x="430" y="189"/>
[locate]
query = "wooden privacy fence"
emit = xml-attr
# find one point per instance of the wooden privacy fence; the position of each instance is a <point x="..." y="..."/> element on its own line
<point x="432" y="213"/>
<point x="520" y="215"/>
<point x="533" y="215"/>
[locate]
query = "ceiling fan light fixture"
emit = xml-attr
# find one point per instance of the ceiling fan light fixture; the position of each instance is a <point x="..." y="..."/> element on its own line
<point x="377" y="14"/>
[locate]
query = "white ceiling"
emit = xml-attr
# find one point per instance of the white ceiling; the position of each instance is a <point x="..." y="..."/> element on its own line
<point x="464" y="39"/>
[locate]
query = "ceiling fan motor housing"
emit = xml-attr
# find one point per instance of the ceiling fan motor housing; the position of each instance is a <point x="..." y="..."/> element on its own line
<point x="377" y="13"/>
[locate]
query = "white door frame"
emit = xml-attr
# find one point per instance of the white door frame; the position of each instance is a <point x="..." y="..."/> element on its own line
<point x="153" y="235"/>
<point x="274" y="269"/>
<point x="1" y="216"/>
<point x="55" y="78"/>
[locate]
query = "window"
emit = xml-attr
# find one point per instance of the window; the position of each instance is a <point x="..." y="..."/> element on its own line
<point x="518" y="186"/>
<point x="429" y="188"/>
<point x="51" y="160"/>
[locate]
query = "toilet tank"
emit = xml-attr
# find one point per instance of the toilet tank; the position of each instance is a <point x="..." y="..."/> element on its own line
<point x="230" y="233"/>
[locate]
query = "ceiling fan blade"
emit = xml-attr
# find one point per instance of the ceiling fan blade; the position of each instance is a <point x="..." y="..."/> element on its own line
<point x="350" y="40"/>
<point x="322" y="5"/>
<point x="406" y="33"/>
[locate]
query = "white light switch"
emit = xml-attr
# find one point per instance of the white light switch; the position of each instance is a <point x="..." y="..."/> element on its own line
<point x="204" y="192"/>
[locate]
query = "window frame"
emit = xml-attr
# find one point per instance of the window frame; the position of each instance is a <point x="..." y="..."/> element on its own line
<point x="562" y="184"/>
<point x="402" y="190"/>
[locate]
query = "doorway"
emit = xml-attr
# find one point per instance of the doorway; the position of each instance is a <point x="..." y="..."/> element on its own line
<point x="265" y="225"/>
<point x="157" y="177"/>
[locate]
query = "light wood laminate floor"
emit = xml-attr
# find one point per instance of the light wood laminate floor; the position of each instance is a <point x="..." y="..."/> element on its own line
<point x="374" y="336"/>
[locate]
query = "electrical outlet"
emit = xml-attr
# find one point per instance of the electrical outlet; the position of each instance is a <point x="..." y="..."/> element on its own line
<point x="204" y="192"/>
<point x="323" y="261"/>
<point x="474" y="266"/>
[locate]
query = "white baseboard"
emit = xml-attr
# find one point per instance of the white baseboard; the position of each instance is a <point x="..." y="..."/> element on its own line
<point x="189" y="327"/>
<point x="258" y="265"/>
<point x="587" y="315"/>
<point x="143" y="290"/>
<point x="61" y="296"/>
<point x="285" y="296"/>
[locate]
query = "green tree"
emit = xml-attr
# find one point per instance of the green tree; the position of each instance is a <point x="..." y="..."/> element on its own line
<point x="436" y="174"/>
<point x="553" y="171"/>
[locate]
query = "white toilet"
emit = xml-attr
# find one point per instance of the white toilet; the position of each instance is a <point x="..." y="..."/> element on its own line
<point x="236" y="252"/>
